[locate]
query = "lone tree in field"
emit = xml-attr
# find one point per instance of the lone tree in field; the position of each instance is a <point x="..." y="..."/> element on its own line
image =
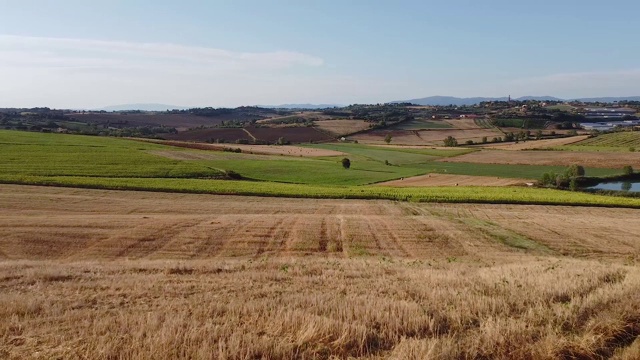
<point x="575" y="171"/>
<point x="388" y="138"/>
<point x="450" y="141"/>
<point x="627" y="170"/>
<point x="346" y="163"/>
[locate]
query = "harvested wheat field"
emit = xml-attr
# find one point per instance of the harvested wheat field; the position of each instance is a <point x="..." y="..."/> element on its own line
<point x="611" y="160"/>
<point x="537" y="144"/>
<point x="453" y="180"/>
<point x="137" y="275"/>
<point x="466" y="124"/>
<point x="342" y="127"/>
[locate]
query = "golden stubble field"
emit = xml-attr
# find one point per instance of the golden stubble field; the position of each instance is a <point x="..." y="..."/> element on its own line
<point x="136" y="275"/>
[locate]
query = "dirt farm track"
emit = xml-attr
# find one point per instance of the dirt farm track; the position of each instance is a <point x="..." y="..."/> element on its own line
<point x="77" y="224"/>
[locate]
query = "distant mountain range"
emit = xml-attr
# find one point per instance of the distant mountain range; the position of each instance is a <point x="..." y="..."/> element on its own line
<point x="165" y="107"/>
<point x="300" y="106"/>
<point x="450" y="100"/>
<point x="142" y="107"/>
<point x="427" y="101"/>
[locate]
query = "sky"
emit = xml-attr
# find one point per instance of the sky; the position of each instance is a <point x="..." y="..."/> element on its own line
<point x="90" y="54"/>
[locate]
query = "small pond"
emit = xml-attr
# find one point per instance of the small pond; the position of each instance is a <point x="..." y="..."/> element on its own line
<point x="618" y="185"/>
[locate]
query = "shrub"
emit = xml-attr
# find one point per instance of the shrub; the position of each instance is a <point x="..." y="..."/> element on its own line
<point x="575" y="171"/>
<point x="573" y="184"/>
<point x="548" y="179"/>
<point x="561" y="180"/>
<point x="282" y="141"/>
<point x="627" y="170"/>
<point x="632" y="149"/>
<point x="388" y="138"/>
<point x="230" y="174"/>
<point x="346" y="163"/>
<point x="484" y="139"/>
<point x="509" y="136"/>
<point x="469" y="142"/>
<point x="450" y="141"/>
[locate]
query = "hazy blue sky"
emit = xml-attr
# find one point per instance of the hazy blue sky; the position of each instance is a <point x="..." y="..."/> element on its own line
<point x="228" y="53"/>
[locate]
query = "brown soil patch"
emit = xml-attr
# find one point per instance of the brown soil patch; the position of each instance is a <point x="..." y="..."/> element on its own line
<point x="465" y="124"/>
<point x="294" y="134"/>
<point x="205" y="135"/>
<point x="614" y="160"/>
<point x="342" y="127"/>
<point x="215" y="155"/>
<point x="287" y="150"/>
<point x="535" y="144"/>
<point x="301" y="134"/>
<point x="179" y="121"/>
<point x="425" y="137"/>
<point x="453" y="180"/>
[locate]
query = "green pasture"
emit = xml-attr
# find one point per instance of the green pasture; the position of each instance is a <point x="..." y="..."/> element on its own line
<point x="508" y="195"/>
<point x="112" y="163"/>
<point x="44" y="154"/>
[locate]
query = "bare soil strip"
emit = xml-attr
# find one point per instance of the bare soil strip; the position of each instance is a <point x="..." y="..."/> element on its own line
<point x="453" y="180"/>
<point x="425" y="137"/>
<point x="613" y="160"/>
<point x="536" y="144"/>
<point x="465" y="124"/>
<point x="287" y="150"/>
<point x="342" y="127"/>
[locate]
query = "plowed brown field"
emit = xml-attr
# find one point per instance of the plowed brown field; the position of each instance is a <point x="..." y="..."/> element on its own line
<point x="612" y="160"/>
<point x="342" y="127"/>
<point x="425" y="137"/>
<point x="537" y="144"/>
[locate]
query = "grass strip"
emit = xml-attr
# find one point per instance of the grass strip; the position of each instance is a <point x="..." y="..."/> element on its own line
<point x="488" y="195"/>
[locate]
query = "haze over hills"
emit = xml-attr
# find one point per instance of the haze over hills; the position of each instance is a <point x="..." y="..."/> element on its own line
<point x="142" y="107"/>
<point x="300" y="106"/>
<point x="451" y="100"/>
<point x="426" y="101"/>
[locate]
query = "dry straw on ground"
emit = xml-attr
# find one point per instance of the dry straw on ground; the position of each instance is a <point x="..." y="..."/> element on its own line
<point x="132" y="275"/>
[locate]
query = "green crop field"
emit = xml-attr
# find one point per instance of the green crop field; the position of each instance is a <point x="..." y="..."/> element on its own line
<point x="38" y="154"/>
<point x="510" y="195"/>
<point x="112" y="163"/>
<point x="422" y="125"/>
<point x="618" y="141"/>
<point x="395" y="155"/>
